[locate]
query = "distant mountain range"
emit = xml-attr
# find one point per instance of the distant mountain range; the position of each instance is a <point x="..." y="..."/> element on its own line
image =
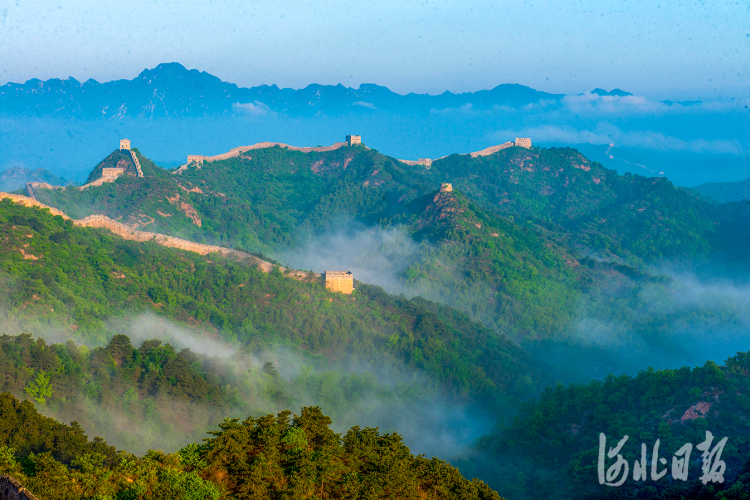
<point x="171" y="90"/>
<point x="724" y="192"/>
<point x="17" y="177"/>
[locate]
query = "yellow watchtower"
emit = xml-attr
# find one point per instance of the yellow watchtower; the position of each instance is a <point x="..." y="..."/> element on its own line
<point x="340" y="281"/>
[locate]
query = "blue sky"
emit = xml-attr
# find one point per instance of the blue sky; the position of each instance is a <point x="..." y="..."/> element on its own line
<point x="664" y="49"/>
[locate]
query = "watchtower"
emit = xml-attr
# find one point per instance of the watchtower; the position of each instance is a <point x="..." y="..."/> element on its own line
<point x="523" y="142"/>
<point x="340" y="281"/>
<point x="195" y="158"/>
<point x="446" y="187"/>
<point x="125" y="144"/>
<point x="353" y="139"/>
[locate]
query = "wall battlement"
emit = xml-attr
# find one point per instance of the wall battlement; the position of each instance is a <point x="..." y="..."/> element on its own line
<point x="137" y="164"/>
<point x="10" y="489"/>
<point x="112" y="172"/>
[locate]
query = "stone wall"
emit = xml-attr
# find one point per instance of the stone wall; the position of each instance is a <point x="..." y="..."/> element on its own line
<point x="128" y="233"/>
<point x="10" y="489"/>
<point x="29" y="202"/>
<point x="137" y="164"/>
<point x="112" y="172"/>
<point x="421" y="161"/>
<point x="263" y="145"/>
<point x="492" y="149"/>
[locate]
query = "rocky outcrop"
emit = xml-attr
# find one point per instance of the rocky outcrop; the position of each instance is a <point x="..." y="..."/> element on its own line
<point x="10" y="489"/>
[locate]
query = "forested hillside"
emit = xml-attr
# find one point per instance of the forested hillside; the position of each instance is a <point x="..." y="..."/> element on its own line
<point x="518" y="244"/>
<point x="80" y="279"/>
<point x="554" y="442"/>
<point x="257" y="458"/>
<point x="539" y="266"/>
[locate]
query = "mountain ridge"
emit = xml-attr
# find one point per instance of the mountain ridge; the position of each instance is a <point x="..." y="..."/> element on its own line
<point x="171" y="90"/>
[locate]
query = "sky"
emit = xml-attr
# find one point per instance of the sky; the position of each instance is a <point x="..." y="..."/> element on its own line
<point x="658" y="48"/>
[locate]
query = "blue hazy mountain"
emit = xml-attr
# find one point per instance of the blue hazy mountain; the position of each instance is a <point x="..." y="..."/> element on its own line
<point x="66" y="126"/>
<point x="613" y="92"/>
<point x="726" y="191"/>
<point x="16" y="178"/>
<point x="171" y="90"/>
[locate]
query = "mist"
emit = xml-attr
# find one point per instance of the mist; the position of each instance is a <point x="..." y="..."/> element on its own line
<point x="678" y="139"/>
<point x="351" y="391"/>
<point x="684" y="322"/>
<point x="374" y="255"/>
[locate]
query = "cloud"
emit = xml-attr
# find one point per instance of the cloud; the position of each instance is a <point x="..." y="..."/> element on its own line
<point x="150" y="326"/>
<point x="365" y="104"/>
<point x="632" y="105"/>
<point x="256" y="108"/>
<point x="373" y="254"/>
<point x="607" y="133"/>
<point x="466" y="109"/>
<point x="684" y="322"/>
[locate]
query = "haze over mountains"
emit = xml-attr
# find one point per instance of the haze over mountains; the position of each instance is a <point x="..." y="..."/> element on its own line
<point x="172" y="91"/>
<point x="63" y="125"/>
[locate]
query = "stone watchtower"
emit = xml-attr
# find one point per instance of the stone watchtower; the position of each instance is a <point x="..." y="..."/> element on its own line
<point x="340" y="281"/>
<point x="523" y="142"/>
<point x="125" y="144"/>
<point x="446" y="187"/>
<point x="353" y="139"/>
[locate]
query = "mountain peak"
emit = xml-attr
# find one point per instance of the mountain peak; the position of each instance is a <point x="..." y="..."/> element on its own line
<point x="613" y="92"/>
<point x="165" y="69"/>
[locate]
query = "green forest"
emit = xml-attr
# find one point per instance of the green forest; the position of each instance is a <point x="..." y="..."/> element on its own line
<point x="522" y="235"/>
<point x="529" y="290"/>
<point x="269" y="457"/>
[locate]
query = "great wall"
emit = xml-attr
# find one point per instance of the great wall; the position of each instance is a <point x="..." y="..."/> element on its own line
<point x="10" y="489"/>
<point x="339" y="281"/>
<point x="520" y="142"/>
<point x="128" y="233"/>
<point x="235" y="152"/>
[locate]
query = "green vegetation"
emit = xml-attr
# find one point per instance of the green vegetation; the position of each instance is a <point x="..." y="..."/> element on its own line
<point x="554" y="441"/>
<point x="547" y="208"/>
<point x="538" y="245"/>
<point x="264" y="458"/>
<point x="81" y="279"/>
